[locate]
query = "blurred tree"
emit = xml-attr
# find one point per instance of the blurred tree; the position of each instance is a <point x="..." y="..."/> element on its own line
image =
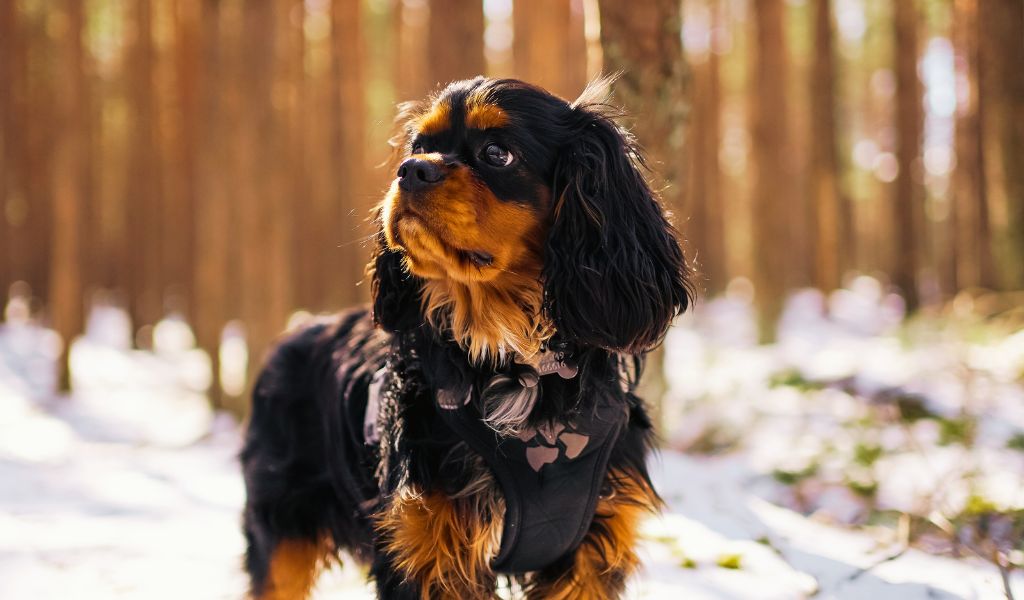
<point x="455" y="47"/>
<point x="35" y="132"/>
<point x="1002" y="87"/>
<point x="70" y="184"/>
<point x="8" y="149"/>
<point x="642" y="43"/>
<point x="351" y="169"/>
<point x="143" y="190"/>
<point x="255" y="163"/>
<point x="702" y="220"/>
<point x="213" y="231"/>
<point x="549" y="47"/>
<point x="908" y="191"/>
<point x="972" y="253"/>
<point x="777" y="213"/>
<point x="830" y="212"/>
<point x="411" y="70"/>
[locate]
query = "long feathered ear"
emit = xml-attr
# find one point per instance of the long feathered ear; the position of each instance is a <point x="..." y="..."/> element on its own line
<point x="395" y="291"/>
<point x="614" y="274"/>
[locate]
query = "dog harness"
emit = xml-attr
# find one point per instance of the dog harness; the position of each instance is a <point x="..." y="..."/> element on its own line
<point x="551" y="477"/>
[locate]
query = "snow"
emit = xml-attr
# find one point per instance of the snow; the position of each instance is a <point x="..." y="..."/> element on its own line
<point x="130" y="488"/>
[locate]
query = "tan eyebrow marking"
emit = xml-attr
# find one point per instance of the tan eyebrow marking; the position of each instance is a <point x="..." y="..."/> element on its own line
<point x="486" y="116"/>
<point x="435" y="121"/>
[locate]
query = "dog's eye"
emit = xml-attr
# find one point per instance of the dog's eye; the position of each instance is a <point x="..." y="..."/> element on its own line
<point x="497" y="156"/>
<point x="417" y="148"/>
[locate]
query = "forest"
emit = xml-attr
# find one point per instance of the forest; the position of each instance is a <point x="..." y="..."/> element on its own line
<point x="217" y="159"/>
<point x="840" y="412"/>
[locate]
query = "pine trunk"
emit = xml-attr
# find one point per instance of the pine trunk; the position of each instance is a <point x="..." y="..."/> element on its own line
<point x="972" y="252"/>
<point x="908" y="200"/>
<point x="65" y="296"/>
<point x="830" y="255"/>
<point x="549" y="48"/>
<point x="1002" y="86"/>
<point x="773" y="167"/>
<point x="455" y="47"/>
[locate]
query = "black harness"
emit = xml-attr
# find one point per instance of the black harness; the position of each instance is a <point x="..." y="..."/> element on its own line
<point x="551" y="480"/>
<point x="551" y="477"/>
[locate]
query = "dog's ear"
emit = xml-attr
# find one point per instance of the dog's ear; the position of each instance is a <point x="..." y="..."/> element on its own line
<point x="396" y="292"/>
<point x="614" y="274"/>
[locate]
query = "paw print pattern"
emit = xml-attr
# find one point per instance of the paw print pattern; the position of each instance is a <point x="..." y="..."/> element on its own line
<point x="548" y="442"/>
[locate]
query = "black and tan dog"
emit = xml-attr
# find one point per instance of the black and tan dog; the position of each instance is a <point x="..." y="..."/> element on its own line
<point x="479" y="420"/>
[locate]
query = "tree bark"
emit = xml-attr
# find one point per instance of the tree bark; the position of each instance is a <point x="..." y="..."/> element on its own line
<point x="349" y="151"/>
<point x="548" y="47"/>
<point x="972" y="251"/>
<point x="641" y="42"/>
<point x="908" y="197"/>
<point x="10" y="200"/>
<point x="142" y="195"/>
<point x="455" y="49"/>
<point x="1002" y="87"/>
<point x="829" y="212"/>
<point x="772" y="190"/>
<point x="211" y="217"/>
<point x="703" y="217"/>
<point x="65" y="298"/>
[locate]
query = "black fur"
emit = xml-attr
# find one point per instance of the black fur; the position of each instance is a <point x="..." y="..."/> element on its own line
<point x="614" y="277"/>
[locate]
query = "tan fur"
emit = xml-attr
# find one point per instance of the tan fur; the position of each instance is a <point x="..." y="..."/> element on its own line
<point x="294" y="568"/>
<point x="436" y="120"/>
<point x="492" y="310"/>
<point x="446" y="544"/>
<point x="486" y="116"/>
<point x="607" y="557"/>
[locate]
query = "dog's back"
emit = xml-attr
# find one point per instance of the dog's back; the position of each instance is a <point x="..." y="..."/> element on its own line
<point x="308" y="472"/>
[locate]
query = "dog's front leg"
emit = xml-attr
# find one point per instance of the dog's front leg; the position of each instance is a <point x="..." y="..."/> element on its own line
<point x="600" y="567"/>
<point x="444" y="545"/>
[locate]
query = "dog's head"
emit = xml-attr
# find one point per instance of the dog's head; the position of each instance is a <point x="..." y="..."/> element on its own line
<point x="514" y="215"/>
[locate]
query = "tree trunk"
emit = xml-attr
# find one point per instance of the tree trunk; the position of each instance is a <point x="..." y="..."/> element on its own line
<point x="642" y="41"/>
<point x="211" y="217"/>
<point x="349" y="152"/>
<point x="972" y="252"/>
<point x="772" y="190"/>
<point x="455" y="49"/>
<point x="411" y="71"/>
<point x="1002" y="87"/>
<point x="548" y="47"/>
<point x="142" y="199"/>
<point x="830" y="255"/>
<point x="65" y="298"/>
<point x="9" y="198"/>
<point x="908" y="198"/>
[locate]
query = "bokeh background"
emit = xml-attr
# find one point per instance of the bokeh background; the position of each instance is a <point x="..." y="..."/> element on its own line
<point x="182" y="179"/>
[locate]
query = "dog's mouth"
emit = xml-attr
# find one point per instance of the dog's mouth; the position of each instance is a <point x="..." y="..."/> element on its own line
<point x="413" y="235"/>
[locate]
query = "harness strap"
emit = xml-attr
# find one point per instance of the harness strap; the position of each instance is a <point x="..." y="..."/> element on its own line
<point x="551" y="479"/>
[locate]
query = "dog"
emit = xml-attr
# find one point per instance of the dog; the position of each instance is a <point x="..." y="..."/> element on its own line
<point x="477" y="426"/>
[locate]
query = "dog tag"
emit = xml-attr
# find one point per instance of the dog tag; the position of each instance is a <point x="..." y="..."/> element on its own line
<point x="555" y="362"/>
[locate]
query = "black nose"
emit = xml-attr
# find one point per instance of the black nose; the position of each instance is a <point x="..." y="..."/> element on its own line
<point x="417" y="174"/>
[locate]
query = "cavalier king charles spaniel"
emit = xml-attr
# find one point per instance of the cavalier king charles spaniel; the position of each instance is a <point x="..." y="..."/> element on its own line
<point x="477" y="426"/>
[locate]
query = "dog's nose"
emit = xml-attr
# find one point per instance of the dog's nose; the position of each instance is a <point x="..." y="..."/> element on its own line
<point x="417" y="174"/>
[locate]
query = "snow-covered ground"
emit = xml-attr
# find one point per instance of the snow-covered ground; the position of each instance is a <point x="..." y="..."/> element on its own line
<point x="130" y="488"/>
